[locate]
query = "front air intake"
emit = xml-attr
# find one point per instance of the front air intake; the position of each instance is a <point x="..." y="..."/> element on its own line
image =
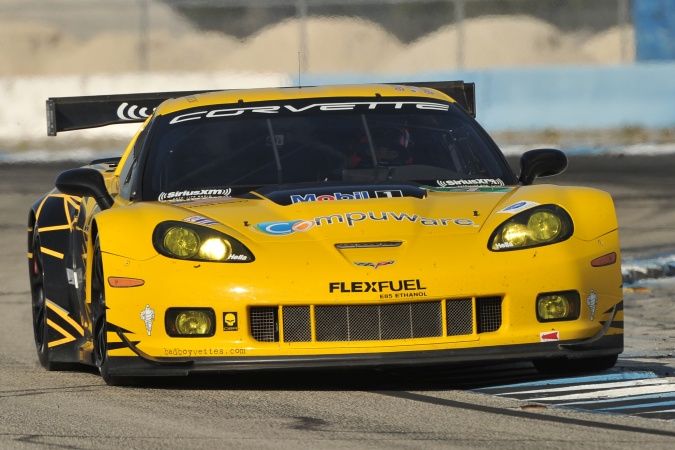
<point x="265" y="324"/>
<point x="378" y="322"/>
<point x="489" y="313"/>
<point x="346" y="323"/>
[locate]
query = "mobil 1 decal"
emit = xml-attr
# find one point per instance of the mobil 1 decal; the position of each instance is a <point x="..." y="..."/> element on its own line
<point x="287" y="197"/>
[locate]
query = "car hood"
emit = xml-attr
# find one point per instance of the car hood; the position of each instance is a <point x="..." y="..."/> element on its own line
<point x="363" y="213"/>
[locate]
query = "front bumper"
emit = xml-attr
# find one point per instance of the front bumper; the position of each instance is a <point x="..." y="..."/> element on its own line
<point x="433" y="293"/>
<point x="145" y="365"/>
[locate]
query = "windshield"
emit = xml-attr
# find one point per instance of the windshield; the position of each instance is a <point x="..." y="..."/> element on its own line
<point x="230" y="149"/>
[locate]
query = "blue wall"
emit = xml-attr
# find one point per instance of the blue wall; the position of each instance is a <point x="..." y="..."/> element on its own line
<point x="654" y="22"/>
<point x="590" y="97"/>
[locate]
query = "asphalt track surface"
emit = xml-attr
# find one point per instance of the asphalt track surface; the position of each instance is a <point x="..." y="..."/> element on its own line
<point x="457" y="407"/>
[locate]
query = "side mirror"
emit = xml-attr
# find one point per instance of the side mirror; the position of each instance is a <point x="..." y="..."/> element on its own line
<point x="543" y="162"/>
<point x="85" y="182"/>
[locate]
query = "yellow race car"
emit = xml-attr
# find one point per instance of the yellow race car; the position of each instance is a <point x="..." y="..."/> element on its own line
<point x="291" y="228"/>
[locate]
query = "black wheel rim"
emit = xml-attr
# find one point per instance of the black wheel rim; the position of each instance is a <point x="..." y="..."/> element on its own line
<point x="98" y="308"/>
<point x="38" y="295"/>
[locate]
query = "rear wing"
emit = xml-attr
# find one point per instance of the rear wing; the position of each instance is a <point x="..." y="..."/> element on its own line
<point x="76" y="113"/>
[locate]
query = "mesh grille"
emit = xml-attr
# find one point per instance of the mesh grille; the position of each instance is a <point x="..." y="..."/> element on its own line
<point x="377" y="322"/>
<point x="459" y="316"/>
<point x="332" y="323"/>
<point x="489" y="313"/>
<point x="297" y="324"/>
<point x="264" y="324"/>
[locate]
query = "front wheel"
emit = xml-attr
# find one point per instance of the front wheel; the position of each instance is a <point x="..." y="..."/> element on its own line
<point x="574" y="366"/>
<point x="100" y="326"/>
<point x="39" y="302"/>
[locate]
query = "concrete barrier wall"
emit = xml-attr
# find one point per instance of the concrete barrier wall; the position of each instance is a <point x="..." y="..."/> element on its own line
<point x="566" y="97"/>
<point x="579" y="98"/>
<point x="507" y="99"/>
<point x="22" y="100"/>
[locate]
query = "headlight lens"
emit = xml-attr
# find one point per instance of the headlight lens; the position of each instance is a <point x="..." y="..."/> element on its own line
<point x="190" y="322"/>
<point x="182" y="240"/>
<point x="515" y="234"/>
<point x="193" y="322"/>
<point x="216" y="249"/>
<point x="545" y="225"/>
<point x="553" y="307"/>
<point x="557" y="306"/>
<point x="542" y="225"/>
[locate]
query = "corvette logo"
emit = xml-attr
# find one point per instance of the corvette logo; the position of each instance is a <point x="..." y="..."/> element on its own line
<point x="375" y="265"/>
<point x="327" y="107"/>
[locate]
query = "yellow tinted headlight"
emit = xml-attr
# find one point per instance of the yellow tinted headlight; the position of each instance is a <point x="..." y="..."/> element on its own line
<point x="193" y="322"/>
<point x="193" y="242"/>
<point x="515" y="235"/>
<point x="190" y="322"/>
<point x="541" y="225"/>
<point x="544" y="225"/>
<point x="556" y="306"/>
<point x="553" y="307"/>
<point x="215" y="249"/>
<point x="181" y="242"/>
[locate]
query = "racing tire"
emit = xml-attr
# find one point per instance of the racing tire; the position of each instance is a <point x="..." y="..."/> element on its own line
<point x="574" y="366"/>
<point x="39" y="302"/>
<point x="100" y="326"/>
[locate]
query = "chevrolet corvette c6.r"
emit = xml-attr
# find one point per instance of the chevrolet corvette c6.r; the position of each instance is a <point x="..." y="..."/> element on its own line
<point x="294" y="228"/>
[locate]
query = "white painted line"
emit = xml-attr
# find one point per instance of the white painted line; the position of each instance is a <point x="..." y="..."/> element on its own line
<point x="626" y="392"/>
<point x="598" y="386"/>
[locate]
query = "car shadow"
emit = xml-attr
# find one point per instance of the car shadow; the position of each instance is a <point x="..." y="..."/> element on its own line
<point x="430" y="378"/>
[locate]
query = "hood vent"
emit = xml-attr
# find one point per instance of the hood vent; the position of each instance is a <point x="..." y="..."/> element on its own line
<point x="369" y="244"/>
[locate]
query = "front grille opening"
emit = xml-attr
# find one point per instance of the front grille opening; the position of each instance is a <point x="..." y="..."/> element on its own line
<point x="346" y="323"/>
<point x="297" y="324"/>
<point x="265" y="323"/>
<point x="489" y="314"/>
<point x="377" y="322"/>
<point x="426" y="319"/>
<point x="459" y="316"/>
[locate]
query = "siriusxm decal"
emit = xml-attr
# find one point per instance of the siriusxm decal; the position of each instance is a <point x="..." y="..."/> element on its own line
<point x="192" y="195"/>
<point x="284" y="228"/>
<point x="518" y="207"/>
<point x="496" y="190"/>
<point x="472" y="182"/>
